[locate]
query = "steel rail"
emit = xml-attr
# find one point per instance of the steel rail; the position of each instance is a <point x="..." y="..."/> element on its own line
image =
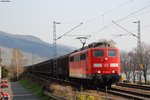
<point x="54" y="96"/>
<point x="143" y="87"/>
<point x="127" y="95"/>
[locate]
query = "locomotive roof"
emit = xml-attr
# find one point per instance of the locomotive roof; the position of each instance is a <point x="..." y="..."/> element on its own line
<point x="108" y="44"/>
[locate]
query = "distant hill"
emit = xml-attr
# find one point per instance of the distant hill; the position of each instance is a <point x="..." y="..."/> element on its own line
<point x="6" y="55"/>
<point x="30" y="44"/>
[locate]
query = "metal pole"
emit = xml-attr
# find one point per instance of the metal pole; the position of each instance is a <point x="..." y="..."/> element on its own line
<point x="139" y="36"/>
<point x="55" y="47"/>
<point x="54" y="39"/>
<point x="139" y="48"/>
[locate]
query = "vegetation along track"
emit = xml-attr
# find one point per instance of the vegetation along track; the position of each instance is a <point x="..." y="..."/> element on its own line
<point x="115" y="91"/>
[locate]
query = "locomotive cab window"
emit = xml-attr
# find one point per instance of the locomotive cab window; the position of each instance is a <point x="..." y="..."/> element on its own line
<point x="83" y="56"/>
<point x="98" y="53"/>
<point x="112" y="53"/>
<point x="76" y="58"/>
<point x="71" y="59"/>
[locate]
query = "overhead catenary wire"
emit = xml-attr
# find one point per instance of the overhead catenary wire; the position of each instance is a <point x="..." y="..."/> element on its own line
<point x="133" y="13"/>
<point x="79" y="35"/>
<point x="69" y="31"/>
<point x="145" y="7"/>
<point x="108" y="12"/>
<point x="118" y="35"/>
<point x="103" y="15"/>
<point x="125" y="29"/>
<point x="146" y="12"/>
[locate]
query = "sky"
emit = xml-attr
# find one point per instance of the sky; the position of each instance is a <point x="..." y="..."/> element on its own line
<point x="35" y="17"/>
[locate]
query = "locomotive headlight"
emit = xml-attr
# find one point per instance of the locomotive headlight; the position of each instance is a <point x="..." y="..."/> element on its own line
<point x="106" y="58"/>
<point x="98" y="72"/>
<point x="113" y="71"/>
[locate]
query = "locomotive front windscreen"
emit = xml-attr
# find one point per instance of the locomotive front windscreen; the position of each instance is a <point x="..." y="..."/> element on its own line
<point x="112" y="53"/>
<point x="98" y="53"/>
<point x="105" y="61"/>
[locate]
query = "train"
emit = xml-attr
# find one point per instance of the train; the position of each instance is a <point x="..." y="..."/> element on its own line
<point x="97" y="64"/>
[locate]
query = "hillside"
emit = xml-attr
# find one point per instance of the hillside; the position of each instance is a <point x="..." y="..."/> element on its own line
<point x="6" y="55"/>
<point x="29" y="45"/>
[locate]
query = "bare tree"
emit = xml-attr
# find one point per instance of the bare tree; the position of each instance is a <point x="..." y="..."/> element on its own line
<point x="133" y="64"/>
<point x="143" y="58"/>
<point x="17" y="62"/>
<point x="125" y="65"/>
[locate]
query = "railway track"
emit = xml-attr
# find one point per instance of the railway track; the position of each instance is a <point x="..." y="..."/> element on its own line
<point x="56" y="97"/>
<point x="143" y="87"/>
<point x="117" y="92"/>
<point x="114" y="91"/>
<point x="129" y="94"/>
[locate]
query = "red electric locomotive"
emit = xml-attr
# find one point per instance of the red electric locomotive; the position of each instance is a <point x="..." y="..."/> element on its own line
<point x="98" y="64"/>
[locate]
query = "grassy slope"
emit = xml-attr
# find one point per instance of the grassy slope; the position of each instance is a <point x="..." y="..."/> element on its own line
<point x="34" y="88"/>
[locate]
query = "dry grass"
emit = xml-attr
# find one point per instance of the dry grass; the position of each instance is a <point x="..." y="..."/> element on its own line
<point x="69" y="92"/>
<point x="62" y="90"/>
